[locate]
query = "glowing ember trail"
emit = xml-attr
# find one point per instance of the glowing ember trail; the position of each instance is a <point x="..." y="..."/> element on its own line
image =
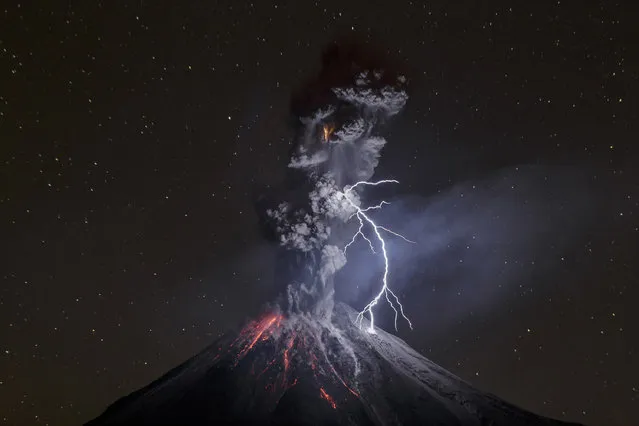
<point x="328" y="398"/>
<point x="363" y="219"/>
<point x="344" y="383"/>
<point x="261" y="328"/>
<point x="286" y="351"/>
<point x="287" y="361"/>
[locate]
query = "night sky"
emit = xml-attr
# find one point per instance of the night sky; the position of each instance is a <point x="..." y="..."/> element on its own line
<point x="136" y="136"/>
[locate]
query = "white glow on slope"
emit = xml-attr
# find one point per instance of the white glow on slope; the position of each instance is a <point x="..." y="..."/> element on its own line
<point x="364" y="218"/>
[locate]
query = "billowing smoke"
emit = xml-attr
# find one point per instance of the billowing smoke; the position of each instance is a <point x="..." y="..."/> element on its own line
<point x="338" y="143"/>
<point x="481" y="241"/>
<point x="341" y="140"/>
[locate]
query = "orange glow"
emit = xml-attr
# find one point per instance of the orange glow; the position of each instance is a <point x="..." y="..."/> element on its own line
<point x="261" y="328"/>
<point x="328" y="398"/>
<point x="327" y="130"/>
<point x="286" y="351"/>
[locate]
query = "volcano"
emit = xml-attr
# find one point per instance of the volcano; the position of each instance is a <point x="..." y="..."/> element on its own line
<point x="293" y="369"/>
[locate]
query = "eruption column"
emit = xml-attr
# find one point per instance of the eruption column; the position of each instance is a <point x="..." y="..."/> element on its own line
<point x="385" y="290"/>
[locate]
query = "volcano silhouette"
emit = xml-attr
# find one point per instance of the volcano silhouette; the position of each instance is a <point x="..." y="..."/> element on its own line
<point x="296" y="370"/>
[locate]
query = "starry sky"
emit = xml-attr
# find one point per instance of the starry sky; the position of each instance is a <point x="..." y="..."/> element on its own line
<point x="134" y="137"/>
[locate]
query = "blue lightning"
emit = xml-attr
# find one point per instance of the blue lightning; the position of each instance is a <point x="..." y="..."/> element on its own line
<point x="363" y="219"/>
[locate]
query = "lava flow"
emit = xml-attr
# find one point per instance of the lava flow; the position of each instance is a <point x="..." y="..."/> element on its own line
<point x="291" y="346"/>
<point x="260" y="330"/>
<point x="328" y="398"/>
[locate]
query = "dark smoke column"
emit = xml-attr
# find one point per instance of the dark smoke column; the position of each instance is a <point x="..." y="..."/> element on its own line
<point x="338" y="117"/>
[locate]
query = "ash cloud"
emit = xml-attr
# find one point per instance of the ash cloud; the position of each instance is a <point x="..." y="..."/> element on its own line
<point x="356" y="91"/>
<point x="352" y="149"/>
<point x="338" y="118"/>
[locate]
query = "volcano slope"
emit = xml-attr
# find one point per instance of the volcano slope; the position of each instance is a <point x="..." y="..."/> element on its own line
<point x="294" y="370"/>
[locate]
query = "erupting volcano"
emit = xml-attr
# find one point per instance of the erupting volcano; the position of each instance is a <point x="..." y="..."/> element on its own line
<point x="309" y="360"/>
<point x="297" y="370"/>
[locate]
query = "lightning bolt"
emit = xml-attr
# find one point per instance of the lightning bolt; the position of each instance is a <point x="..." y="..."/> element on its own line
<point x="363" y="220"/>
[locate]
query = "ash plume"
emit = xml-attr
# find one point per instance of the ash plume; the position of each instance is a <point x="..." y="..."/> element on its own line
<point x="337" y="143"/>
